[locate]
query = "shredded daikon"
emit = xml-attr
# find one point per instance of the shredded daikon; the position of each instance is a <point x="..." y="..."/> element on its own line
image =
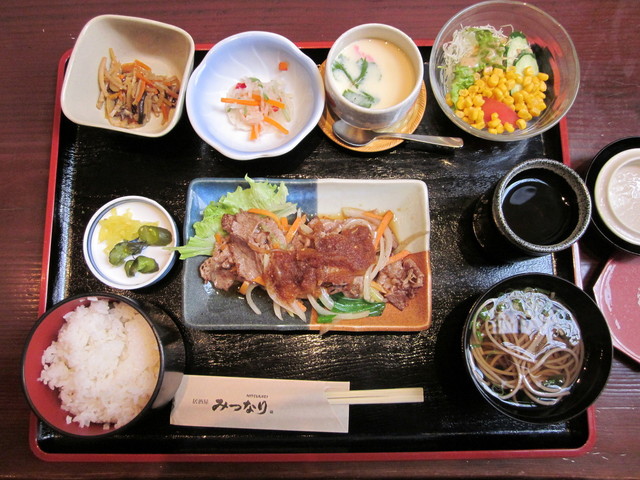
<point x="254" y="106"/>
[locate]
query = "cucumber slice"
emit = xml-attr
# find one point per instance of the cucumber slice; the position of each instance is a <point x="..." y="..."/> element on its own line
<point x="524" y="60"/>
<point x="516" y="44"/>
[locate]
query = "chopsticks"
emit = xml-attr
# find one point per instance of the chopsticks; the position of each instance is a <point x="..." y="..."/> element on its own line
<point x="386" y="395"/>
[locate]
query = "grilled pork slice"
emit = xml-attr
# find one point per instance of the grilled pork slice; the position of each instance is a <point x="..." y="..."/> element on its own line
<point x="401" y="280"/>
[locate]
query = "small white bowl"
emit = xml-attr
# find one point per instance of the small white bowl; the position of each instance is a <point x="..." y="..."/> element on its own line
<point x="617" y="196"/>
<point x="167" y="49"/>
<point x="373" y="118"/>
<point x="253" y="54"/>
<point x="144" y="210"/>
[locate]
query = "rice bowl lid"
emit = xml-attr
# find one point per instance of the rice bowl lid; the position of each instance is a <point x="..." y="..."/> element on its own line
<point x="45" y="401"/>
<point x="144" y="210"/>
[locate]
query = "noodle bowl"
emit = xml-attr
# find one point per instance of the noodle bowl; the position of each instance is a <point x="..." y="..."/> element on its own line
<point x="525" y="348"/>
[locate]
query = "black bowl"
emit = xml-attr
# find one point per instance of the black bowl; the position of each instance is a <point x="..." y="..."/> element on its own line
<point x="598" y="162"/>
<point x="598" y="349"/>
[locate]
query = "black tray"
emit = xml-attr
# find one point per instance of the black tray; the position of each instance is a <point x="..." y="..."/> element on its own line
<point x="91" y="166"/>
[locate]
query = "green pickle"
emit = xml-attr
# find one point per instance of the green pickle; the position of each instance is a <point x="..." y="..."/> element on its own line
<point x="140" y="264"/>
<point x="154" y="236"/>
<point x="148" y="235"/>
<point x="122" y="250"/>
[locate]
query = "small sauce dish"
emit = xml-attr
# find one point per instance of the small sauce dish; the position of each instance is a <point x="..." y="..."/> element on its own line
<point x="96" y="252"/>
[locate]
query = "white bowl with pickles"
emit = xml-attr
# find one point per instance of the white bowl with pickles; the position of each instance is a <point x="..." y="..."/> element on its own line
<point x="129" y="243"/>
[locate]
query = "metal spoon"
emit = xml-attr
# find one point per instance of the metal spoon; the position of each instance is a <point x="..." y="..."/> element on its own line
<point x="359" y="137"/>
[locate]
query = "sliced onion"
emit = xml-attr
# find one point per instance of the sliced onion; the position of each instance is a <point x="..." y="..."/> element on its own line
<point x="250" y="301"/>
<point x="326" y="299"/>
<point x="319" y="308"/>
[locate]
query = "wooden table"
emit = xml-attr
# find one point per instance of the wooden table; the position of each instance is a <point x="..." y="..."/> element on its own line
<point x="35" y="35"/>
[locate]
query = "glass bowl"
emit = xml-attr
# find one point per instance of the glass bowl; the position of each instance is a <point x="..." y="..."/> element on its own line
<point x="554" y="51"/>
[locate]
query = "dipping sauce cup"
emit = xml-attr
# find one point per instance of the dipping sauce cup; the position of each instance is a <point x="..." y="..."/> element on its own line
<point x="539" y="207"/>
<point x="381" y="55"/>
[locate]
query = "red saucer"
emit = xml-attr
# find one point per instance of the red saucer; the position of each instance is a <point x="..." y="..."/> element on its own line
<point x="617" y="293"/>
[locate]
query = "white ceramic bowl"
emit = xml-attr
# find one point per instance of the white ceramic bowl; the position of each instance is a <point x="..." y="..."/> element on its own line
<point x="253" y="54"/>
<point x="556" y="55"/>
<point x="167" y="49"/>
<point x="373" y="118"/>
<point x="144" y="210"/>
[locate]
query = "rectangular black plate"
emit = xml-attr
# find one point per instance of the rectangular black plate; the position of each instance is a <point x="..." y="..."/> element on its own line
<point x="92" y="166"/>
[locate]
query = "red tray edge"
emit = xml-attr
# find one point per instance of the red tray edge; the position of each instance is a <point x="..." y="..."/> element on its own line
<point x="275" y="457"/>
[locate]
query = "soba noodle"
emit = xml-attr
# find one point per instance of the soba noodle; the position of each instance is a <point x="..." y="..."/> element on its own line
<point x="526" y="348"/>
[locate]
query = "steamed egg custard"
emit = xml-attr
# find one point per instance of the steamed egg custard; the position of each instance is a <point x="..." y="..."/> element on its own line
<point x="373" y="73"/>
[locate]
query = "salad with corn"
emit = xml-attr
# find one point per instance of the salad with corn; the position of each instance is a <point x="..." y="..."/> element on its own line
<point x="495" y="81"/>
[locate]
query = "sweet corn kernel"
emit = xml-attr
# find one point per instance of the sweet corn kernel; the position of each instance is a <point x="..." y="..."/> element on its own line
<point x="521" y="124"/>
<point x="509" y="127"/>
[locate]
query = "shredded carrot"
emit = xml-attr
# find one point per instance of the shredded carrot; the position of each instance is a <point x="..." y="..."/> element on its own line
<point x="127" y="67"/>
<point x="244" y="287"/>
<point x="266" y="213"/>
<point x="255" y="131"/>
<point x="164" y="108"/>
<point x="283" y="66"/>
<point x="294" y="228"/>
<point x="218" y="237"/>
<point x="398" y="256"/>
<point x="276" y="103"/>
<point x="386" y="220"/>
<point x="145" y="79"/>
<point x="259" y="280"/>
<point x="276" y="124"/>
<point x="301" y="305"/>
<point x="284" y="224"/>
<point x="240" y="101"/>
<point x="171" y="93"/>
<point x="140" y="64"/>
<point x="256" y="97"/>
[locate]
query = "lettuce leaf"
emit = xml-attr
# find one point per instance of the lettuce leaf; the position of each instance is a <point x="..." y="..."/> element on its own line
<point x="462" y="78"/>
<point x="262" y="195"/>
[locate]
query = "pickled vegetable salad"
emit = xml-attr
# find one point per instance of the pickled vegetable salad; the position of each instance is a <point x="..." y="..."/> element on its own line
<point x="258" y="106"/>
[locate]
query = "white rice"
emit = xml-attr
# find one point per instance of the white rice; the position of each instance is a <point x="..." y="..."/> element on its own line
<point x="105" y="364"/>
